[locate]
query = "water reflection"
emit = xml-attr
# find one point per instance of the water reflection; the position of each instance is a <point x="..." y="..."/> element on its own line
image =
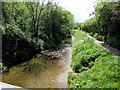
<point x="42" y="72"/>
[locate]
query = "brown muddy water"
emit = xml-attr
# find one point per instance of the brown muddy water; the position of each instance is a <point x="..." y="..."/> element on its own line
<point x="48" y="70"/>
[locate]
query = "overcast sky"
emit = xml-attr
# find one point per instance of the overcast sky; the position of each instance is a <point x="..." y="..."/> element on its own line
<point x="79" y="8"/>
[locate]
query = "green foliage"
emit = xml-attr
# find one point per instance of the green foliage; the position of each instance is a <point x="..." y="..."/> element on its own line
<point x="1" y="65"/>
<point x="105" y="25"/>
<point x="98" y="37"/>
<point x="29" y="27"/>
<point x="114" y="41"/>
<point x="95" y="67"/>
<point x="104" y="74"/>
<point x="17" y="43"/>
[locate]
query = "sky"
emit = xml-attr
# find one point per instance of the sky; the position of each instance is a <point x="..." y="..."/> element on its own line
<point x="79" y="8"/>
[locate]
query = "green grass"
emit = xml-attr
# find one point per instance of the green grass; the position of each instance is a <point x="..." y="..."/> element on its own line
<point x="1" y="65"/>
<point x="95" y="67"/>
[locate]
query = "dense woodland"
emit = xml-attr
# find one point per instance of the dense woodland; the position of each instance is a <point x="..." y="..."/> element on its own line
<point x="29" y="27"/>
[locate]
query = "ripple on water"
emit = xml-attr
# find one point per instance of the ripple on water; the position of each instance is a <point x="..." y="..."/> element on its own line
<point x="42" y="72"/>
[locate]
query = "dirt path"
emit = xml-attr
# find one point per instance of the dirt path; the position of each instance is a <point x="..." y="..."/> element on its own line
<point x="108" y="48"/>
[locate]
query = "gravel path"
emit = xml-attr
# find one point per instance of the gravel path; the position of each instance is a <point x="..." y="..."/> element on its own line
<point x="108" y="48"/>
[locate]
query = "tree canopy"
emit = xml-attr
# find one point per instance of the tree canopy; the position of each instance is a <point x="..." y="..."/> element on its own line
<point x="29" y="27"/>
<point x="105" y="25"/>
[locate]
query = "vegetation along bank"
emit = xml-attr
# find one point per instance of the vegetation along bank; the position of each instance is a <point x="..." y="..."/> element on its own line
<point x="93" y="67"/>
<point x="30" y="27"/>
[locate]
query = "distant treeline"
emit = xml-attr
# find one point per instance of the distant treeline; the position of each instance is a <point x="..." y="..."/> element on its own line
<point x="105" y="26"/>
<point x="29" y="27"/>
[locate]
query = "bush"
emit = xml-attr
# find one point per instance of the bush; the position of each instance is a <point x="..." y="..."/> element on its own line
<point x="17" y="46"/>
<point x="114" y="41"/>
<point x="85" y="57"/>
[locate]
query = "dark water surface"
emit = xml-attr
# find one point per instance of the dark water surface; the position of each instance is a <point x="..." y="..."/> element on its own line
<point x="48" y="70"/>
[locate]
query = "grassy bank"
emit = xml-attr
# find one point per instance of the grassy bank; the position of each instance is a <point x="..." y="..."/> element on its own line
<point x="95" y="67"/>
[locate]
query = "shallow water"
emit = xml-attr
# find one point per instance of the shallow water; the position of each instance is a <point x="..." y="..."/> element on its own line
<point x="42" y="71"/>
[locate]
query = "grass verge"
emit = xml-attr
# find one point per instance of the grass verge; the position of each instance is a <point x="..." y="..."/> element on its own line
<point x="95" y="67"/>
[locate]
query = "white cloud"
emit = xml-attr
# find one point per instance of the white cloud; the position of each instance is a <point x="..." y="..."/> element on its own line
<point x="79" y="8"/>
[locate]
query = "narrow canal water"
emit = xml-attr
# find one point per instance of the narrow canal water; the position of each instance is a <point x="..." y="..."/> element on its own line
<point x="48" y="70"/>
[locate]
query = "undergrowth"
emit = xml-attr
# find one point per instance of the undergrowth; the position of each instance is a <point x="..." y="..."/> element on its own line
<point x="95" y="67"/>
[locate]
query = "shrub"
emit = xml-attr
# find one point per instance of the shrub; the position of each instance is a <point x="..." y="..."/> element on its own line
<point x="17" y="46"/>
<point x="113" y="41"/>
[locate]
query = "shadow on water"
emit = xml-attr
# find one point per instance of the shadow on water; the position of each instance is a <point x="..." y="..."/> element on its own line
<point x="48" y="70"/>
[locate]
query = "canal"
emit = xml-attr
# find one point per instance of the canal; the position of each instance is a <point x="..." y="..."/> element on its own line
<point x="49" y="69"/>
